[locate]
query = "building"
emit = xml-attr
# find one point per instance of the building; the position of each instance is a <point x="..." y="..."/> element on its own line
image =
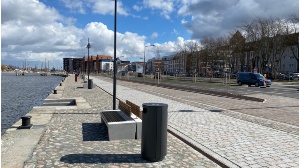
<point x="71" y="65"/>
<point x="270" y="56"/>
<point x="96" y="63"/>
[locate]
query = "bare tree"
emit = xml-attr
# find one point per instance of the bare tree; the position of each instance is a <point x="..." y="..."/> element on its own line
<point x="268" y="38"/>
<point x="292" y="41"/>
<point x="210" y="46"/>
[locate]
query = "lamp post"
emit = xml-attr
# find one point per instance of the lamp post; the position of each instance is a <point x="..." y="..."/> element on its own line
<point x="88" y="67"/>
<point x="144" y="60"/>
<point x="115" y="58"/>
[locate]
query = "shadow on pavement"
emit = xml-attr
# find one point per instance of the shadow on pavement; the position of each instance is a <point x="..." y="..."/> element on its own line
<point x="94" y="132"/>
<point x="191" y="111"/>
<point x="216" y="111"/>
<point x="103" y="158"/>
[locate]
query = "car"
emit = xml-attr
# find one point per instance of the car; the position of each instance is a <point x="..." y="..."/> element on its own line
<point x="295" y="75"/>
<point x="250" y="78"/>
<point x="288" y="77"/>
<point x="201" y="74"/>
<point x="140" y="74"/>
<point x="268" y="82"/>
<point x="233" y="75"/>
<point x="218" y="74"/>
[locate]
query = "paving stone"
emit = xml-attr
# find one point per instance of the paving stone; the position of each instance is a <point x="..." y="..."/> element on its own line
<point x="227" y="129"/>
<point x="77" y="138"/>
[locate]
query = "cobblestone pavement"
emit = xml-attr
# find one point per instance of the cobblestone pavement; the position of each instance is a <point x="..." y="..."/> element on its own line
<point x="76" y="138"/>
<point x="277" y="112"/>
<point x="243" y="140"/>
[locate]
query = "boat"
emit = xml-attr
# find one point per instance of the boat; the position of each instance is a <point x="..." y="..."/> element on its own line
<point x="46" y="72"/>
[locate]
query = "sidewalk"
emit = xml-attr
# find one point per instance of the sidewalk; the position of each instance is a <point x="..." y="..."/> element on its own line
<point x="74" y="137"/>
<point x="235" y="142"/>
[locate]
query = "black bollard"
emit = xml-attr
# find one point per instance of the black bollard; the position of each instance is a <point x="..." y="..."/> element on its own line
<point x="25" y="123"/>
<point x="60" y="84"/>
<point x="55" y="92"/>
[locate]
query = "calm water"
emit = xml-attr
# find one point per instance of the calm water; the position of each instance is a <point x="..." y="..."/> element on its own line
<point x="20" y="93"/>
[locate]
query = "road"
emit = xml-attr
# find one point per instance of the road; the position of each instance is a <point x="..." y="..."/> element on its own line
<point x="277" y="90"/>
<point x="284" y="89"/>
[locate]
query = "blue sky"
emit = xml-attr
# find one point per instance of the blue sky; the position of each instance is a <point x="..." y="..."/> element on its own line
<point x="55" y="29"/>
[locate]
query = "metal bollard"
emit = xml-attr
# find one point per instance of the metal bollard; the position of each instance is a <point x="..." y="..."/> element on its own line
<point x="55" y="92"/>
<point x="60" y="84"/>
<point x="25" y="123"/>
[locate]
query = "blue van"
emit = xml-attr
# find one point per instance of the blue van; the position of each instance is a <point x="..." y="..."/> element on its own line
<point x="250" y="78"/>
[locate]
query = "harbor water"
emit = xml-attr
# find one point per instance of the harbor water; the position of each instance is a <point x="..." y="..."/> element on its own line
<point x="19" y="94"/>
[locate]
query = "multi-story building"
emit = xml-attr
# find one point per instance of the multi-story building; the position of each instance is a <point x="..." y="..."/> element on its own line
<point x="137" y="67"/>
<point x="95" y="64"/>
<point x="236" y="57"/>
<point x="71" y="65"/>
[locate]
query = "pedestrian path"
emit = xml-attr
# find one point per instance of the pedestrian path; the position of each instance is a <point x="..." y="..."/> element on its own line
<point x="75" y="137"/>
<point x="234" y="142"/>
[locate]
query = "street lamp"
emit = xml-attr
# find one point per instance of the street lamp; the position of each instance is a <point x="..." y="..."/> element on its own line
<point x="115" y="58"/>
<point x="88" y="67"/>
<point x="144" y="60"/>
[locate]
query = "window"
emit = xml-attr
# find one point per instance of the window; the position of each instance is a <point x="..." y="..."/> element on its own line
<point x="291" y="65"/>
<point x="251" y="54"/>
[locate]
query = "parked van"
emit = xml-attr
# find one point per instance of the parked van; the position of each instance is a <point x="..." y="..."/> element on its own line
<point x="250" y="78"/>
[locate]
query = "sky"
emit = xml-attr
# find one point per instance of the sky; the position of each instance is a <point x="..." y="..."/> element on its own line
<point x="51" y="30"/>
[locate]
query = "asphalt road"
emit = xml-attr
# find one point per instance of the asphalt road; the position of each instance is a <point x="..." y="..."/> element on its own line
<point x="278" y="90"/>
<point x="285" y="89"/>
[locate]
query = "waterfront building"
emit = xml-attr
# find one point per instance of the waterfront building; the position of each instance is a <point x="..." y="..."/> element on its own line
<point x="71" y="65"/>
<point x="96" y="63"/>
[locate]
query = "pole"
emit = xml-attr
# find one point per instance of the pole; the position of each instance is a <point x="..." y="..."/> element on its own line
<point x="115" y="57"/>
<point x="144" y="65"/>
<point x="88" y="66"/>
<point x="144" y="69"/>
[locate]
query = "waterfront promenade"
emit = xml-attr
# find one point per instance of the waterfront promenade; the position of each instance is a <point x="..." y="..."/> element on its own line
<point x="75" y="137"/>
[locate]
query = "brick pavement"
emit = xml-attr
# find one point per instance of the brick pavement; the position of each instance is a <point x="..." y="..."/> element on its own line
<point x="76" y="138"/>
<point x="277" y="112"/>
<point x="242" y="143"/>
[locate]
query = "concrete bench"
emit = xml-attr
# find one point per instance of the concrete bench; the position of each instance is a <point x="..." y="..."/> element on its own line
<point x="125" y="123"/>
<point x="119" y="125"/>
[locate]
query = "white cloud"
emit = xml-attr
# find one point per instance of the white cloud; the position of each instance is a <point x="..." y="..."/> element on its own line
<point x="165" y="6"/>
<point x="137" y="8"/>
<point x="105" y="7"/>
<point x="220" y="17"/>
<point x="28" y="12"/>
<point x="76" y="6"/>
<point x="175" y="32"/>
<point x="183" y="21"/>
<point x="154" y="35"/>
<point x="24" y="38"/>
